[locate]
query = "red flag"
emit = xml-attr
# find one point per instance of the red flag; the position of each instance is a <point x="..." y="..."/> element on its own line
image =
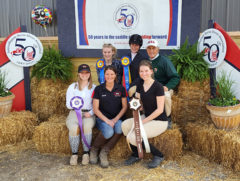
<point x="233" y="52"/>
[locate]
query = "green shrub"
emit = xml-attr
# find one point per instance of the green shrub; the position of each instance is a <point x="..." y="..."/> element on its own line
<point x="53" y="65"/>
<point x="3" y="90"/>
<point x="190" y="64"/>
<point x="225" y="96"/>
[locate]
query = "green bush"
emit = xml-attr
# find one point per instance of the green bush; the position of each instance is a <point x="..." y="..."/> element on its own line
<point x="190" y="64"/>
<point x="225" y="96"/>
<point x="53" y="65"/>
<point x="3" y="90"/>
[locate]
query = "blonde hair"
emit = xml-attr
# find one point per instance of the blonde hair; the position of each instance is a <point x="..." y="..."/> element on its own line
<point x="109" y="45"/>
<point x="89" y="81"/>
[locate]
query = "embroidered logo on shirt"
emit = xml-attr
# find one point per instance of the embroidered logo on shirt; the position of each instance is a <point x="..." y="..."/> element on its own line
<point x="117" y="94"/>
<point x="104" y="95"/>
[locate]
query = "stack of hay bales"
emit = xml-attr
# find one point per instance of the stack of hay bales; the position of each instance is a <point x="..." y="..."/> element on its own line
<point x="48" y="97"/>
<point x="52" y="137"/>
<point x="217" y="145"/>
<point x="190" y="102"/>
<point x="17" y="127"/>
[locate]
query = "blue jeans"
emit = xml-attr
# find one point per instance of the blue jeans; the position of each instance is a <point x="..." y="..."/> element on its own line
<point x="107" y="130"/>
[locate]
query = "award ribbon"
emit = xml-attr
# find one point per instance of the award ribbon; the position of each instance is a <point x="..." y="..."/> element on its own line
<point x="77" y="103"/>
<point x="100" y="66"/>
<point x="126" y="72"/>
<point x="138" y="127"/>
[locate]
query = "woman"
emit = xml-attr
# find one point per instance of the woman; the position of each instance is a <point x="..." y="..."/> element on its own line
<point x="154" y="121"/>
<point x="109" y="56"/>
<point x="109" y="105"/>
<point x="83" y="88"/>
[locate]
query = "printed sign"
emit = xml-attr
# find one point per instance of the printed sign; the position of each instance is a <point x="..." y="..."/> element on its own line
<point x="117" y="20"/>
<point x="24" y="49"/>
<point x="214" y="45"/>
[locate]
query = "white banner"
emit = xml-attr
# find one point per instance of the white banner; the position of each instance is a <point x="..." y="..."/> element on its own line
<point x="108" y="21"/>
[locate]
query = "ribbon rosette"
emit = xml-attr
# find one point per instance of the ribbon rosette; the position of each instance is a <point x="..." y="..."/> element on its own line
<point x="77" y="103"/>
<point x="126" y="73"/>
<point x="125" y="61"/>
<point x="100" y="66"/>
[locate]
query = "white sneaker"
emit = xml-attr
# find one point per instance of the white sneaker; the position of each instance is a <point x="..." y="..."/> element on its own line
<point x="74" y="160"/>
<point x="85" y="159"/>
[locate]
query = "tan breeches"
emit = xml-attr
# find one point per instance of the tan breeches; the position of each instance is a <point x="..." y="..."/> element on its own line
<point x="73" y="126"/>
<point x="152" y="128"/>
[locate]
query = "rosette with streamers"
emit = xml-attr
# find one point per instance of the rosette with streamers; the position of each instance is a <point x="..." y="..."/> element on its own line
<point x="77" y="103"/>
<point x="100" y="66"/>
<point x="126" y="72"/>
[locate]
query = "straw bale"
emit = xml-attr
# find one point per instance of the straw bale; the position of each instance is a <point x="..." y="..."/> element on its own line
<point x="17" y="127"/>
<point x="190" y="102"/>
<point x="217" y="145"/>
<point x="48" y="97"/>
<point x="52" y="137"/>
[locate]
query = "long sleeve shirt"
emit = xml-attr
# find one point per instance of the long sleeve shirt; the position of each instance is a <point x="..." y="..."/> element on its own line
<point x="86" y="94"/>
<point x="165" y="72"/>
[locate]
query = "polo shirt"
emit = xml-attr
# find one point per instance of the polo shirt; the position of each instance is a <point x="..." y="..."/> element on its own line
<point x="110" y="102"/>
<point x="149" y="100"/>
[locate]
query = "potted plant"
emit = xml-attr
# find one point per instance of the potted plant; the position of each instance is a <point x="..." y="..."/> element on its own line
<point x="193" y="91"/>
<point x="50" y="79"/>
<point x="6" y="97"/>
<point x="225" y="107"/>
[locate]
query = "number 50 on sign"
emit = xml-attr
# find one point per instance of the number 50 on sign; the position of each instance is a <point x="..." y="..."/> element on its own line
<point x="24" y="49"/>
<point x="214" y="45"/>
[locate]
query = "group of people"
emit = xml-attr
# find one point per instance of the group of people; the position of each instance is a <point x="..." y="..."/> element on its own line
<point x="105" y="105"/>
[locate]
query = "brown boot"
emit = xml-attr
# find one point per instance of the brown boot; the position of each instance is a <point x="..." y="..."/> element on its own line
<point x="98" y="142"/>
<point x="106" y="148"/>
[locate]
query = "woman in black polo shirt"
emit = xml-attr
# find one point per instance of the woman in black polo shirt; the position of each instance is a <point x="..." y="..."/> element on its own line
<point x="154" y="121"/>
<point x="109" y="105"/>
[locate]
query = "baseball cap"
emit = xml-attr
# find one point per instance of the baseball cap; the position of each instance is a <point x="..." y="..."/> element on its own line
<point x="152" y="42"/>
<point x="83" y="67"/>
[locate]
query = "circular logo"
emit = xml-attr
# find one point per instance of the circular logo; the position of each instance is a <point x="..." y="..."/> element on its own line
<point x="125" y="61"/>
<point x="24" y="49"/>
<point x="126" y="17"/>
<point x="77" y="102"/>
<point x="213" y="43"/>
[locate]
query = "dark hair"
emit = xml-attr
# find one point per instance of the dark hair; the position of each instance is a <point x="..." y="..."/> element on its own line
<point x="146" y="63"/>
<point x="111" y="67"/>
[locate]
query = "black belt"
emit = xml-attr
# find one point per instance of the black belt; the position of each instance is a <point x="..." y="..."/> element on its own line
<point x="85" y="110"/>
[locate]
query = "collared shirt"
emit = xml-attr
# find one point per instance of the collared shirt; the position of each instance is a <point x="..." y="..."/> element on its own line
<point x="110" y="102"/>
<point x="154" y="57"/>
<point x="133" y="55"/>
<point x="86" y="94"/>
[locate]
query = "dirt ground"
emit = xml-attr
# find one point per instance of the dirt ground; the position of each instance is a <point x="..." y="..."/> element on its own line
<point x="22" y="162"/>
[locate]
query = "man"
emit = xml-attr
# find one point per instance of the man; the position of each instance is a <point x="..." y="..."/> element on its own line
<point x="164" y="72"/>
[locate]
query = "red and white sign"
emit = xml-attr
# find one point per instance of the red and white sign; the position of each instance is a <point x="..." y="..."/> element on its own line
<point x="24" y="49"/>
<point x="215" y="47"/>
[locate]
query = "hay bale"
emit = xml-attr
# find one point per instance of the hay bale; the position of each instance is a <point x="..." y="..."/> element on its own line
<point x="217" y="145"/>
<point x="17" y="127"/>
<point x="190" y="102"/>
<point x="52" y="137"/>
<point x="48" y="97"/>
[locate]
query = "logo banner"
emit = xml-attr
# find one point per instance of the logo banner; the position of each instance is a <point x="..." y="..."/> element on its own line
<point x="117" y="20"/>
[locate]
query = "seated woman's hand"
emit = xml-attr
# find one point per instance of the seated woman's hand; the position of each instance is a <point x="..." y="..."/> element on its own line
<point x="111" y="123"/>
<point x="87" y="115"/>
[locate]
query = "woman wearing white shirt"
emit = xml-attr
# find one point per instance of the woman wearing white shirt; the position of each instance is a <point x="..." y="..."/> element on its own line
<point x="83" y="88"/>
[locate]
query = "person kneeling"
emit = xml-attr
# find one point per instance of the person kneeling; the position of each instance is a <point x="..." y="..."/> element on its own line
<point x="151" y="93"/>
